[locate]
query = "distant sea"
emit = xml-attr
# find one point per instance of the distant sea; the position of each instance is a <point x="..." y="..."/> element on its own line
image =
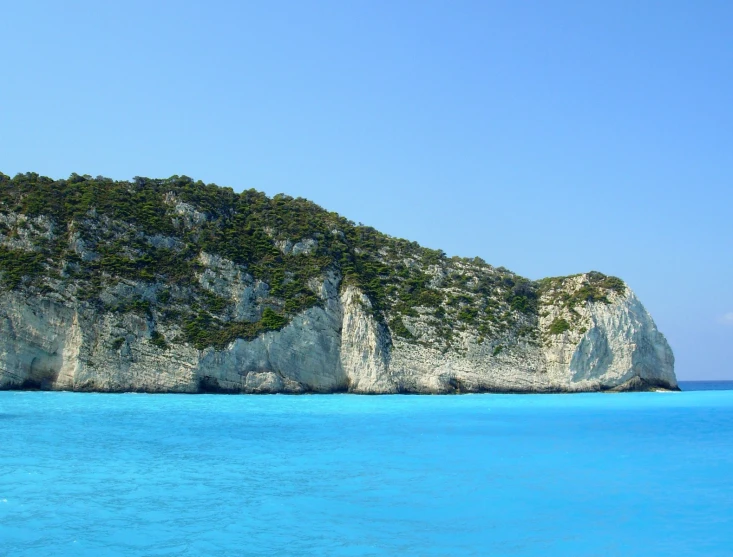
<point x="706" y="385"/>
<point x="633" y="474"/>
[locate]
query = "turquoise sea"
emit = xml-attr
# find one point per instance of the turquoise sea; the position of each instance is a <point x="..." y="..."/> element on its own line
<point x="488" y="475"/>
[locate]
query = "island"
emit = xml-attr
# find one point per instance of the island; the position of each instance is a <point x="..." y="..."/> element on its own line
<point x="176" y="286"/>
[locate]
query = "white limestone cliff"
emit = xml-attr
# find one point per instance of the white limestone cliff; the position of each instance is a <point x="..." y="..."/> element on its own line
<point x="613" y="345"/>
<point x="339" y="345"/>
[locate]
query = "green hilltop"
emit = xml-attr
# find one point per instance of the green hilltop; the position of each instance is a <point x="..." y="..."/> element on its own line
<point x="83" y="236"/>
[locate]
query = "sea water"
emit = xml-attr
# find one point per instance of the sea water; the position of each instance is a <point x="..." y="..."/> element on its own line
<point x="212" y="475"/>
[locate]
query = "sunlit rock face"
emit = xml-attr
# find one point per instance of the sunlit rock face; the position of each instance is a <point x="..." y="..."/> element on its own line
<point x="173" y="286"/>
<point x="338" y="346"/>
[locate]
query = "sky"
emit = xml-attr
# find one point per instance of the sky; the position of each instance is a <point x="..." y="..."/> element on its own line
<point x="550" y="137"/>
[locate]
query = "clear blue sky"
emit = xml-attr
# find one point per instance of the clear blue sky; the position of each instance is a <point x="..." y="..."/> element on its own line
<point x="548" y="137"/>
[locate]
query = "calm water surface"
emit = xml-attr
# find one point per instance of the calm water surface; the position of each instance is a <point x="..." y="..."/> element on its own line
<point x="162" y="475"/>
<point x="706" y="385"/>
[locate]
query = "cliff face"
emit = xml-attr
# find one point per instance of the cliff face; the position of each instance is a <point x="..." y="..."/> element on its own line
<point x="98" y="299"/>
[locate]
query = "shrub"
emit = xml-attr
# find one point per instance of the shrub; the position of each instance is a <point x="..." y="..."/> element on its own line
<point x="158" y="340"/>
<point x="397" y="326"/>
<point x="468" y="314"/>
<point x="271" y="321"/>
<point x="18" y="264"/>
<point x="559" y="326"/>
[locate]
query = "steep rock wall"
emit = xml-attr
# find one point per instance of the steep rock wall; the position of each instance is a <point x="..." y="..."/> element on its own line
<point x="609" y="344"/>
<point x="337" y="345"/>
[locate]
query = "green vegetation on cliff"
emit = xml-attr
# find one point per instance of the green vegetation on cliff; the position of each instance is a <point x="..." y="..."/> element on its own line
<point x="224" y="265"/>
<point x="595" y="288"/>
<point x="559" y="326"/>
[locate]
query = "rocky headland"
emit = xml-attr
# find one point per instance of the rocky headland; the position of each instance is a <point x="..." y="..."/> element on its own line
<point x="177" y="286"/>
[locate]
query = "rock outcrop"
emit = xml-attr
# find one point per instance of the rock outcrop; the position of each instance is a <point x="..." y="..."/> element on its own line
<point x="169" y="309"/>
<point x="334" y="347"/>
